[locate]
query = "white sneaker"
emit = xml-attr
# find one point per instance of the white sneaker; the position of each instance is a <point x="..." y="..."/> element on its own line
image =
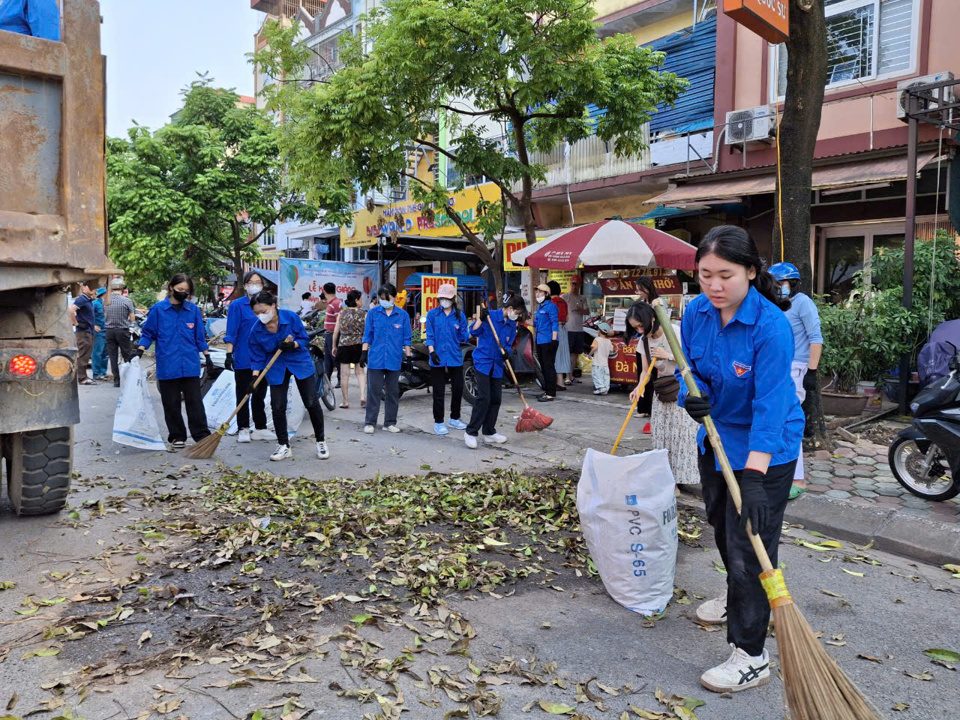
<point x="368" y="429"/>
<point x="262" y="434"/>
<point x="282" y="453"/>
<point x="322" y="452"/>
<point x="470" y="440"/>
<point x="713" y="612"/>
<point x="243" y="436"/>
<point x="392" y="428"/>
<point x="739" y="672"/>
<point x="495" y="439"/>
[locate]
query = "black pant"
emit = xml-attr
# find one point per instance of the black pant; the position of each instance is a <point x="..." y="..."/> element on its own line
<point x="748" y="610"/>
<point x="438" y="376"/>
<point x="118" y="339"/>
<point x="311" y="401"/>
<point x="548" y="364"/>
<point x="645" y="406"/>
<point x="242" y="379"/>
<point x="486" y="407"/>
<point x="170" y="393"/>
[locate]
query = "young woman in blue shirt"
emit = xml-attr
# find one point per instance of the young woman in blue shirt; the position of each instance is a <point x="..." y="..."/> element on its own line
<point x="386" y="340"/>
<point x="240" y="321"/>
<point x="488" y="361"/>
<point x="740" y="347"/>
<point x="546" y="327"/>
<point x="808" y="345"/>
<point x="447" y="328"/>
<point x="283" y="330"/>
<point x="176" y="326"/>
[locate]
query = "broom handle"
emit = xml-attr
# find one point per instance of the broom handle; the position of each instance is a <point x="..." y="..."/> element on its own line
<point x="732" y="485"/>
<point x="506" y="360"/>
<point x="256" y="382"/>
<point x="643" y="384"/>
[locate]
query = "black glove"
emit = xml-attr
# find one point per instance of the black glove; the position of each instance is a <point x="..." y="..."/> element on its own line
<point x="363" y="358"/>
<point x="810" y="381"/>
<point x="406" y="363"/>
<point x="288" y="345"/>
<point x="697" y="407"/>
<point x="140" y="350"/>
<point x="253" y="385"/>
<point x="504" y="354"/>
<point x="484" y="314"/>
<point x="753" y="501"/>
<point x="210" y="366"/>
<point x="434" y="358"/>
<point x="228" y="362"/>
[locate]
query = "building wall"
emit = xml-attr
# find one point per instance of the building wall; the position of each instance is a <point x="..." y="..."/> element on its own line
<point x="657" y="30"/>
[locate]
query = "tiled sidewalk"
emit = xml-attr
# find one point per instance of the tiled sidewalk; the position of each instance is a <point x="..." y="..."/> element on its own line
<point x="858" y="473"/>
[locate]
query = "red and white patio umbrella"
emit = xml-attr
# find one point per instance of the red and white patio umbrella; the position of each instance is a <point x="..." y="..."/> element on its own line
<point x="608" y="244"/>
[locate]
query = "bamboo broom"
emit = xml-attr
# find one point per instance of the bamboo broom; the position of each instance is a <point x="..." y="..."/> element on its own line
<point x="815" y="686"/>
<point x="530" y="420"/>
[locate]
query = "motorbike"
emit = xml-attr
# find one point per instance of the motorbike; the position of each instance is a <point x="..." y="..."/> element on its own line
<point x="925" y="458"/>
<point x="415" y="371"/>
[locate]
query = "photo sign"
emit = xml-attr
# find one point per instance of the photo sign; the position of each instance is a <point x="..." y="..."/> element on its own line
<point x="428" y="293"/>
<point x="770" y="19"/>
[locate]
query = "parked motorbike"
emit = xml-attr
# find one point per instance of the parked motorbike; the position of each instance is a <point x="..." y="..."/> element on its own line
<point x="925" y="458"/>
<point x="415" y="371"/>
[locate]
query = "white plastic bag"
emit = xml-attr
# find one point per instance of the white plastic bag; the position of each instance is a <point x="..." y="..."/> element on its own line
<point x="134" y="422"/>
<point x="221" y="400"/>
<point x="628" y="516"/>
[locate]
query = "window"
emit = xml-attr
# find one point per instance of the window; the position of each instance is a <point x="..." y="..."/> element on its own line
<point x="866" y="40"/>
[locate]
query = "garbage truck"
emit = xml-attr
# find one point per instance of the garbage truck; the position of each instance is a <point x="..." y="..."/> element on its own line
<point x="52" y="237"/>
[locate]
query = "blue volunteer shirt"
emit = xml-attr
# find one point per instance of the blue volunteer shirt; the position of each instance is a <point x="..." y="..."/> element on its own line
<point x="98" y="319"/>
<point x="263" y="344"/>
<point x="805" y="321"/>
<point x="180" y="336"/>
<point x="546" y="321"/>
<point x="744" y="369"/>
<point x="240" y="321"/>
<point x="386" y="335"/>
<point x="487" y="358"/>
<point x="445" y="333"/>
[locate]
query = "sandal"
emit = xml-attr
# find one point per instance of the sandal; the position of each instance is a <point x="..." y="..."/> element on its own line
<point x="344" y="406"/>
<point x="795" y="492"/>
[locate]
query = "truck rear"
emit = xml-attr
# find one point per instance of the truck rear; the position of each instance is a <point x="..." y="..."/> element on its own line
<point x="52" y="236"/>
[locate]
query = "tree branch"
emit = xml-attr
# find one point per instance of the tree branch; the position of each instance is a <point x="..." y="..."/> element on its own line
<point x="496" y="181"/>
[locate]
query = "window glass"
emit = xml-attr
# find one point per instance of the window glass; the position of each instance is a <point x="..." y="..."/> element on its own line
<point x="844" y="260"/>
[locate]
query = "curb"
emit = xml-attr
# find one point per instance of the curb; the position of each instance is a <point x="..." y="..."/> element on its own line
<point x="915" y="538"/>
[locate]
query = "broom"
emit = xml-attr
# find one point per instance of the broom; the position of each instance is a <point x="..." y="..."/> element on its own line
<point x="643" y="386"/>
<point x="815" y="686"/>
<point x="530" y="420"/>
<point x="208" y="446"/>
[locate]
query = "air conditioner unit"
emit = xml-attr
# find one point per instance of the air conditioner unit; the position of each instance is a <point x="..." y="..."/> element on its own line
<point x="928" y="102"/>
<point x="753" y="125"/>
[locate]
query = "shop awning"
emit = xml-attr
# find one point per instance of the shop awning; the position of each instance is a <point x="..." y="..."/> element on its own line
<point x="862" y="172"/>
<point x="403" y="251"/>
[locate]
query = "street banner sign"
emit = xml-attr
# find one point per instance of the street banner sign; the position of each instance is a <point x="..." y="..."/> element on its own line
<point x="300" y="276"/>
<point x="770" y="19"/>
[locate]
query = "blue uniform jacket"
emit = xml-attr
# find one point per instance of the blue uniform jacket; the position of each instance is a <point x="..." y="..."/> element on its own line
<point x="487" y="358"/>
<point x="744" y="368"/>
<point x="99" y="320"/>
<point x="546" y="322"/>
<point x="386" y="335"/>
<point x="180" y="336"/>
<point x="445" y="333"/>
<point x="240" y="321"/>
<point x="263" y="344"/>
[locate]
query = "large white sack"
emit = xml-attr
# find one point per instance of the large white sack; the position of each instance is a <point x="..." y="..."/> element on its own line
<point x="221" y="400"/>
<point x="135" y="423"/>
<point x="628" y="515"/>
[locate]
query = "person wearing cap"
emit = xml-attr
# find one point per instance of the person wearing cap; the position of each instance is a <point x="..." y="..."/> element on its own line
<point x="99" y="357"/>
<point x="119" y="315"/>
<point x="807" y="347"/>
<point x="546" y="325"/>
<point x="577" y="310"/>
<point x="600" y="351"/>
<point x="446" y="329"/>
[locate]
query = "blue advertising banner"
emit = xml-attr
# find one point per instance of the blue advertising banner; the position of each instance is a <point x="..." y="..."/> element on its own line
<point x="300" y="276"/>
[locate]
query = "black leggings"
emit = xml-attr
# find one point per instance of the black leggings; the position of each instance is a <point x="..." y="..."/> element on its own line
<point x="311" y="400"/>
<point x="486" y="407"/>
<point x="438" y="376"/>
<point x="548" y="364"/>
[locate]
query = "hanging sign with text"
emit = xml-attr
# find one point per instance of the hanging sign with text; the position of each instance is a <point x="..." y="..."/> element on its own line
<point x="770" y="19"/>
<point x="428" y="292"/>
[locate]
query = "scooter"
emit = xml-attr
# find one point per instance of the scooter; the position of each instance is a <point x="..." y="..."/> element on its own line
<point x="415" y="373"/>
<point x="925" y="458"/>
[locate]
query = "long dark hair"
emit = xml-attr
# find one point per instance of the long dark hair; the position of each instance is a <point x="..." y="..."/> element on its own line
<point x="176" y="280"/>
<point x="643" y="313"/>
<point x="734" y="244"/>
<point x="645" y="283"/>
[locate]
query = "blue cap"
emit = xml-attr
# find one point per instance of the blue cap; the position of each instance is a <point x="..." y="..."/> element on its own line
<point x="101" y="291"/>
<point x="784" y="271"/>
<point x="604" y="328"/>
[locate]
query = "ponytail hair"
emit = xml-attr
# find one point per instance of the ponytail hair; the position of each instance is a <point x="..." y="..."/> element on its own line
<point x="264" y="297"/>
<point x="734" y="244"/>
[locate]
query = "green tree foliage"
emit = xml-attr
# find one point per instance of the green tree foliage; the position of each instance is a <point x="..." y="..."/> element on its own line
<point x="506" y="77"/>
<point x="188" y="197"/>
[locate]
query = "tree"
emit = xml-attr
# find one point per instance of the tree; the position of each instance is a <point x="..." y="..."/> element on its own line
<point x="797" y="141"/>
<point x="188" y="196"/>
<point x="506" y="78"/>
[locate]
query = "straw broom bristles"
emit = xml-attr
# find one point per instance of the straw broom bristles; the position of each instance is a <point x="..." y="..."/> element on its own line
<point x="815" y="686"/>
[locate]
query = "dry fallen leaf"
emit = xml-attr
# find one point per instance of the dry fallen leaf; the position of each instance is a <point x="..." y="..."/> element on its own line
<point x="556" y="708"/>
<point x="871" y="658"/>
<point x="144" y="638"/>
<point x="901" y="706"/>
<point x="925" y="675"/>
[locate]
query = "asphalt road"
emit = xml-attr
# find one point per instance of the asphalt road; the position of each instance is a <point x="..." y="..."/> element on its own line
<point x="892" y="613"/>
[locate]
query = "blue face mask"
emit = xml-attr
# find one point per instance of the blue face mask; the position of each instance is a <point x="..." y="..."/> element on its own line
<point x="784" y="292"/>
<point x="386" y="304"/>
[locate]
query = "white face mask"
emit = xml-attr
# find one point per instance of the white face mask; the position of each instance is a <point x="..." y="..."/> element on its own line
<point x="386" y="304"/>
<point x="541" y="298"/>
<point x="446" y="304"/>
<point x="512" y="315"/>
<point x="253" y="289"/>
<point x="265" y="317"/>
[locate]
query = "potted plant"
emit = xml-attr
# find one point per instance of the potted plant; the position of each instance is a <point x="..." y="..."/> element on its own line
<point x="843" y="328"/>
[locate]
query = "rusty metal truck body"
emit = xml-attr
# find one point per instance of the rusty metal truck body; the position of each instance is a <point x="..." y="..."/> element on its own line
<point x="52" y="236"/>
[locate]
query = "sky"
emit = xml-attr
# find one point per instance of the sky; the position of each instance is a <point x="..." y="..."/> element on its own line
<point x="155" y="47"/>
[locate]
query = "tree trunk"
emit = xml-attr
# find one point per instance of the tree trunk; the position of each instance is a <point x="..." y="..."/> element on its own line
<point x="799" y="125"/>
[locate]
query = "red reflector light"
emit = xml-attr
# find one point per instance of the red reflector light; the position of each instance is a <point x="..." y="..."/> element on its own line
<point x="23" y="365"/>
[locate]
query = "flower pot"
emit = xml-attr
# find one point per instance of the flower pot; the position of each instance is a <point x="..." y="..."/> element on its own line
<point x="842" y="404"/>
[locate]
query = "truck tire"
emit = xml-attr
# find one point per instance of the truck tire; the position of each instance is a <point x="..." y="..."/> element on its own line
<point x="38" y="466"/>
